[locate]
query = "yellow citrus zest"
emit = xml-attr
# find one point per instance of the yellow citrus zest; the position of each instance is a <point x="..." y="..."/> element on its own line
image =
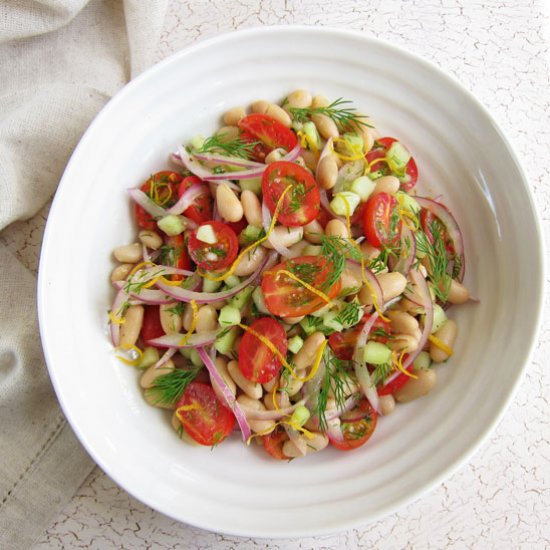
<point x="290" y="275"/>
<point x="193" y="323"/>
<point x="358" y="154"/>
<point x="408" y="218"/>
<point x="274" y="397"/>
<point x="139" y="266"/>
<point x="230" y="271"/>
<point x="398" y="362"/>
<point x="441" y="345"/>
<point x="373" y="162"/>
<point x="168" y="281"/>
<point x="115" y="319"/>
<point x="161" y="201"/>
<point x="267" y="431"/>
<point x="128" y="347"/>
<point x="306" y="142"/>
<point x="184" y="408"/>
<point x="315" y="366"/>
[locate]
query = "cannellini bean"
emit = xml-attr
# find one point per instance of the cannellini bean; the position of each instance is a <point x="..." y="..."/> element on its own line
<point x="130" y="329"/>
<point x="458" y="293"/>
<point x="297" y="249"/>
<point x="188" y="316"/>
<point x="403" y="323"/>
<point x="306" y="356"/>
<point x="403" y="342"/>
<point x="290" y="385"/>
<point x="313" y="232"/>
<point x="369" y="252"/>
<point x="368" y="138"/>
<point x="170" y="320"/>
<point x="120" y="272"/>
<point x="152" y="399"/>
<point x="279" y="114"/>
<point x="281" y="398"/>
<point x="148" y="378"/>
<point x="351" y="278"/>
<point x="221" y="366"/>
<point x="418" y="387"/>
<point x="410" y="307"/>
<point x="386" y="404"/>
<point x="299" y="99"/>
<point x="293" y="320"/>
<point x="268" y="386"/>
<point x="232" y="117"/>
<point x="285" y="236"/>
<point x="228" y="133"/>
<point x="252" y="208"/>
<point x="229" y="205"/>
<point x="207" y="318"/>
<point x="327" y="172"/>
<point x="184" y="436"/>
<point x="317" y="443"/>
<point x="250" y="262"/>
<point x="275" y="155"/>
<point x="257" y="426"/>
<point x="447" y="335"/>
<point x="252" y="389"/>
<point x="336" y="228"/>
<point x="386" y="184"/>
<point x="128" y="253"/>
<point x="392" y="284"/>
<point x="260" y="106"/>
<point x="326" y="126"/>
<point x="310" y="159"/>
<point x="151" y="239"/>
<point x="319" y="101"/>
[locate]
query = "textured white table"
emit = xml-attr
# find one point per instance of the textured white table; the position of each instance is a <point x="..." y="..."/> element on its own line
<point x="501" y="498"/>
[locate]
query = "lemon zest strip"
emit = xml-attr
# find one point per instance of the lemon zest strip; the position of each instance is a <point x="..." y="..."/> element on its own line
<point x="184" y="408"/>
<point x="307" y="433"/>
<point x="321" y="295"/>
<point x="230" y="271"/>
<point x="441" y="345"/>
<point x="358" y="154"/>
<point x="117" y="320"/>
<point x="132" y="362"/>
<point x="398" y="362"/>
<point x="193" y="323"/>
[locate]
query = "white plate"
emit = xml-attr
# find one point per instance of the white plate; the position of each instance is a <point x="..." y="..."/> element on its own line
<point x="460" y="153"/>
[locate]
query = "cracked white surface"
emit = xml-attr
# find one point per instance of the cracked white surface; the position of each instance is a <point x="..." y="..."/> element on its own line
<point x="500" y="499"/>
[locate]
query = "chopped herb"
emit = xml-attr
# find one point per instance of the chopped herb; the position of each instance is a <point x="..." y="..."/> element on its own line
<point x="236" y="147"/>
<point x="380" y="373"/>
<point x="350" y="315"/>
<point x="167" y="388"/>
<point x="177" y="309"/>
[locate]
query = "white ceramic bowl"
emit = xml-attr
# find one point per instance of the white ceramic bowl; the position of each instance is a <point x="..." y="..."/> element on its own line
<point x="460" y="152"/>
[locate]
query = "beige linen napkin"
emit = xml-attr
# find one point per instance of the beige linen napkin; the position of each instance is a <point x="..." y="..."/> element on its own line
<point x="60" y="61"/>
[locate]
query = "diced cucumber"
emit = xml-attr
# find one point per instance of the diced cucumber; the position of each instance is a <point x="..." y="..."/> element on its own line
<point x="312" y="250"/>
<point x="206" y="234"/>
<point x="344" y="203"/>
<point x="407" y="202"/>
<point x="397" y="157"/>
<point x="376" y="353"/>
<point x="229" y="316"/>
<point x="322" y="311"/>
<point x="241" y="299"/>
<point x="253" y="184"/>
<point x="354" y="142"/>
<point x="232" y="281"/>
<point x="440" y="318"/>
<point x="149" y="358"/>
<point x="330" y="321"/>
<point x="258" y="298"/>
<point x="225" y="343"/>
<point x="422" y="361"/>
<point x="195" y="358"/>
<point x="300" y="415"/>
<point x="310" y="324"/>
<point x="295" y="344"/>
<point x="172" y="225"/>
<point x="312" y="136"/>
<point x="211" y="286"/>
<point x="197" y="142"/>
<point x="363" y="186"/>
<point x="250" y="234"/>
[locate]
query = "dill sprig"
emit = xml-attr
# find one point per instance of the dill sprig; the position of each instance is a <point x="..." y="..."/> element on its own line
<point x="350" y="314"/>
<point x="345" y="117"/>
<point x="236" y="147"/>
<point x="380" y="373"/>
<point x="336" y="250"/>
<point x="167" y="388"/>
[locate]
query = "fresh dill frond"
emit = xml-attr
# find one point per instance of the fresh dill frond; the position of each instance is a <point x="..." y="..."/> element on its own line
<point x="177" y="309"/>
<point x="336" y="250"/>
<point x="340" y="111"/>
<point x="350" y="315"/>
<point x="168" y="388"/>
<point x="306" y="272"/>
<point x="236" y="147"/>
<point x="380" y="373"/>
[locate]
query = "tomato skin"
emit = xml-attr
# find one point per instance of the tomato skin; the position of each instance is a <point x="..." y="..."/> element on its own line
<point x="379" y="150"/>
<point x="256" y="361"/>
<point x="177" y="255"/>
<point x="151" y="327"/>
<point x="302" y="203"/>
<point x="207" y="420"/>
<point x="168" y="191"/>
<point x="357" y="432"/>
<point x="285" y="297"/>
<point x="427" y="220"/>
<point x="397" y="383"/>
<point x="377" y="220"/>
<point x="226" y="248"/>
<point x="273" y="443"/>
<point x="270" y="132"/>
<point x="201" y="209"/>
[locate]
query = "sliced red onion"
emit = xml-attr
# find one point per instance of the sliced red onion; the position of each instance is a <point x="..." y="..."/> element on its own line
<point x="165" y="357"/>
<point x="347" y="406"/>
<point x="226" y="392"/>
<point x="361" y="370"/>
<point x="327" y="150"/>
<point x="149" y="205"/>
<point x="275" y="414"/>
<point x="185" y="295"/>
<point x="266" y="222"/>
<point x="255" y="172"/>
<point x="188" y="198"/>
<point x="299" y="442"/>
<point x="451" y="226"/>
<point x="334" y="430"/>
<point x="147" y="296"/>
<point x="184" y="158"/>
<point x="232" y="161"/>
<point x="293" y="154"/>
<point x="175" y="340"/>
<point x="408" y="251"/>
<point x="376" y="288"/>
<point x="145" y="254"/>
<point x="120" y="298"/>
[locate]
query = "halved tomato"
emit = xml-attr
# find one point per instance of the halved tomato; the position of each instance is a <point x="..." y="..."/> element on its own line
<point x="381" y="146"/>
<point x="174" y="253"/>
<point x="286" y="297"/>
<point x="273" y="443"/>
<point x="301" y="203"/>
<point x="269" y="132"/>
<point x="256" y="361"/>
<point x="201" y="209"/>
<point x="358" y="429"/>
<point x="431" y="225"/>
<point x="162" y="188"/>
<point x="151" y="327"/>
<point x="381" y="224"/>
<point x="397" y="383"/>
<point x="204" y="417"/>
<point x="213" y="257"/>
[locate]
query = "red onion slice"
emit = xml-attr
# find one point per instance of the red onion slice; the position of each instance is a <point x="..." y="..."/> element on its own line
<point x="120" y="298"/>
<point x="227" y="394"/>
<point x="187" y="199"/>
<point x="149" y="205"/>
<point x="299" y="442"/>
<point x="361" y="370"/>
<point x="293" y="154"/>
<point x="266" y="222"/>
<point x="232" y="161"/>
<point x="146" y="296"/>
<point x="255" y="172"/>
<point x="175" y="340"/>
<point x="451" y="226"/>
<point x="165" y="357"/>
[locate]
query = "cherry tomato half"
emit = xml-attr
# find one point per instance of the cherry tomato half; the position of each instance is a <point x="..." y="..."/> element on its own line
<point x="256" y="361"/>
<point x="151" y="327"/>
<point x="379" y="218"/>
<point x="270" y="132"/>
<point x="273" y="443"/>
<point x="358" y="429"/>
<point x="430" y="225"/>
<point x="301" y="203"/>
<point x="162" y="189"/>
<point x="286" y="297"/>
<point x="213" y="257"/>
<point x="205" y="418"/>
<point x="174" y="253"/>
<point x="397" y="383"/>
<point x="381" y="146"/>
<point x="201" y="209"/>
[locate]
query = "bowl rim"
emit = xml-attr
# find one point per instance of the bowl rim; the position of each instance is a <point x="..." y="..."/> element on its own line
<point x="260" y="32"/>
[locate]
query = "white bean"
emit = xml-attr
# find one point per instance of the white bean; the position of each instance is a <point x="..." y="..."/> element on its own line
<point x="120" y="272"/>
<point x="447" y="336"/>
<point x="336" y="228"/>
<point x="229" y="205"/>
<point x="170" y="319"/>
<point x="317" y="443"/>
<point x="148" y="378"/>
<point x="307" y="354"/>
<point x="327" y="172"/>
<point x="207" y="319"/>
<point x="403" y="342"/>
<point x="128" y="253"/>
<point x="151" y="239"/>
<point x="418" y="387"/>
<point x="221" y="366"/>
<point x="313" y="232"/>
<point x="250" y="262"/>
<point x="326" y="126"/>
<point x="252" y="208"/>
<point x="386" y="184"/>
<point x="300" y="99"/>
<point x="252" y="389"/>
<point x="130" y="329"/>
<point x="458" y="293"/>
<point x="285" y="236"/>
<point x="233" y="116"/>
<point x="403" y="323"/>
<point x="257" y="426"/>
<point x="387" y="404"/>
